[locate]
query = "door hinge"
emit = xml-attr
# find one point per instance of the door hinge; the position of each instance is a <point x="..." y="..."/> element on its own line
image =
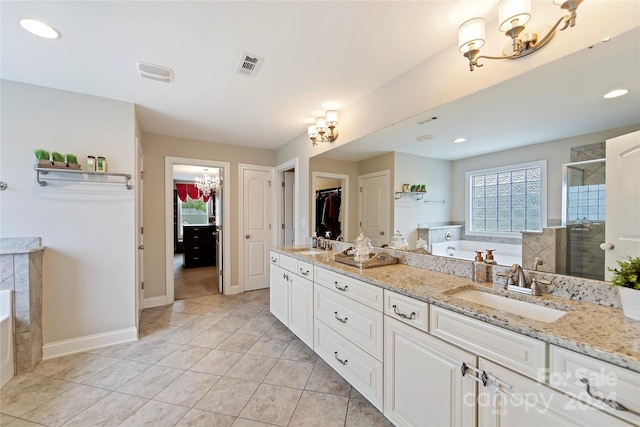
<point x="361" y="189"/>
<point x="269" y="184"/>
<point x="142" y="285"/>
<point x="283" y="183"/>
<point x="141" y="174"/>
<point x="141" y="230"/>
<point x="221" y="272"/>
<point x="283" y="226"/>
<point x="269" y="226"/>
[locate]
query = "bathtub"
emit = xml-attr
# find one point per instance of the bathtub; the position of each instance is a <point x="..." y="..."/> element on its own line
<point x="505" y="253"/>
<point x="7" y="369"/>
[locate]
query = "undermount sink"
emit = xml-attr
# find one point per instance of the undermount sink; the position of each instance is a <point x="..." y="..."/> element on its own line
<point x="307" y="251"/>
<point x="521" y="308"/>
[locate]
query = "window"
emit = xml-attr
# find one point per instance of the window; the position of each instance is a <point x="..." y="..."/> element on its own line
<point x="507" y="200"/>
<point x="193" y="212"/>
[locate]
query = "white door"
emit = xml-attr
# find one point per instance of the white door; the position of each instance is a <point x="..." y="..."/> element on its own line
<point x="287" y="208"/>
<point x="374" y="206"/>
<point x="256" y="225"/>
<point x="622" y="230"/>
<point x="423" y="382"/>
<point x="279" y="293"/>
<point x="140" y="232"/>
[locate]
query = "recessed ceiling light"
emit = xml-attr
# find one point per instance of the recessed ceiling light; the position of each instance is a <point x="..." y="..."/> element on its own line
<point x="40" y="29"/>
<point x="616" y="93"/>
<point x="459" y="140"/>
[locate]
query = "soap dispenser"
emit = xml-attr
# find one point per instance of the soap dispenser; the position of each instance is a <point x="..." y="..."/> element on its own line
<point x="479" y="269"/>
<point x="314" y="240"/>
<point x="488" y="259"/>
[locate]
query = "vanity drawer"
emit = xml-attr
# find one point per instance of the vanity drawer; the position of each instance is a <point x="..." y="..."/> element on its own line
<point x="274" y="258"/>
<point x="305" y="269"/>
<point x="568" y="368"/>
<point x="518" y="352"/>
<point x="407" y="310"/>
<point x="289" y="263"/>
<point x="353" y="288"/>
<point x="355" y="365"/>
<point x="357" y="322"/>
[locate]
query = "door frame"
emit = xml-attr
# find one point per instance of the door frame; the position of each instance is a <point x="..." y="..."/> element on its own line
<point x="344" y="204"/>
<point x="139" y="223"/>
<point x="277" y="202"/>
<point x="169" y="161"/>
<point x="241" y="261"/>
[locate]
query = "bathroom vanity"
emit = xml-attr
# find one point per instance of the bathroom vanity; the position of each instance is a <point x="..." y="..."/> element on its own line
<point x="424" y="356"/>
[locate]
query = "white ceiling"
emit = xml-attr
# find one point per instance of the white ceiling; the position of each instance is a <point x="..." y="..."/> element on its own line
<point x="559" y="100"/>
<point x="314" y="52"/>
<point x="189" y="172"/>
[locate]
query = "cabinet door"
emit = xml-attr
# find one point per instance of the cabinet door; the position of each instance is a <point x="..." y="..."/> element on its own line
<point x="301" y="308"/>
<point x="526" y="402"/>
<point x="423" y="382"/>
<point x="278" y="293"/>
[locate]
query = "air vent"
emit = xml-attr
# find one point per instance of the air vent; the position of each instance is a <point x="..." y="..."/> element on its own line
<point x="424" y="138"/>
<point x="249" y="64"/>
<point x="155" y="72"/>
<point x="427" y="120"/>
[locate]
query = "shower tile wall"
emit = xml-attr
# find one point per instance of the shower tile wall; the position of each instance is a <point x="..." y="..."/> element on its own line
<point x="550" y="245"/>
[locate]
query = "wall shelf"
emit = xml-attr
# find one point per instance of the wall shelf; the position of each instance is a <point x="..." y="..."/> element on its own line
<point x="83" y="175"/>
<point x="413" y="195"/>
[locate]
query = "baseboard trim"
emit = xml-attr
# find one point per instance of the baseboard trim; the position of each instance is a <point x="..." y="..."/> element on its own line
<point x="155" y="301"/>
<point x="88" y="342"/>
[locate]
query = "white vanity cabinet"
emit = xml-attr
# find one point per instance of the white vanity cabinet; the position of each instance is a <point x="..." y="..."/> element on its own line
<point x="424" y="385"/>
<point x="291" y="294"/>
<point x="522" y="401"/>
<point x="348" y="330"/>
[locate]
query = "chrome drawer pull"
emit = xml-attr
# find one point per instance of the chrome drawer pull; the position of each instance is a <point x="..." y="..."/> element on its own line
<point x="341" y="320"/>
<point x="346" y="287"/>
<point x="404" y="316"/>
<point x="609" y="402"/>
<point x="274" y="259"/>
<point x="344" y="362"/>
<point x="303" y="272"/>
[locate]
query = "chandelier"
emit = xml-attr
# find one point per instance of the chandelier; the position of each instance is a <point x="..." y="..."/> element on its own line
<point x="324" y="129"/>
<point x="206" y="184"/>
<point x="513" y="15"/>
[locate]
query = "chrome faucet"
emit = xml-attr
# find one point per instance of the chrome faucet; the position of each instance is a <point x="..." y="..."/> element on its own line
<point x="517" y="282"/>
<point x="322" y="243"/>
<point x="537" y="262"/>
<point x="520" y="279"/>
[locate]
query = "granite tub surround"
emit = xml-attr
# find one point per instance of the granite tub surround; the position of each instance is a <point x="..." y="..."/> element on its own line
<point x="21" y="271"/>
<point x="592" y="329"/>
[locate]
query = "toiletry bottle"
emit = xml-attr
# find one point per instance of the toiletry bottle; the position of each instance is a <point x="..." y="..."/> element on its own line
<point x="314" y="240"/>
<point x="91" y="163"/>
<point x="479" y="269"/>
<point x="488" y="259"/>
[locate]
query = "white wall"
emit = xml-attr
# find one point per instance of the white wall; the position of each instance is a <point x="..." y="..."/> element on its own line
<point x="554" y="152"/>
<point x="88" y="229"/>
<point x="436" y="175"/>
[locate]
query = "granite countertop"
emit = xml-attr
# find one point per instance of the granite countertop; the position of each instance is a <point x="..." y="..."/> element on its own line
<point x="12" y="251"/>
<point x="591" y="329"/>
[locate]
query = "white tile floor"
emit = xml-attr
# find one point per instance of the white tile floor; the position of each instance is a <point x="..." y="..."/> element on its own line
<point x="208" y="361"/>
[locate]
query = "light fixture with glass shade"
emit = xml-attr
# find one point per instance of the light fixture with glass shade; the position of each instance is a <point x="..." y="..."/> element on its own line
<point x="324" y="129"/>
<point x="206" y="184"/>
<point x="513" y="15"/>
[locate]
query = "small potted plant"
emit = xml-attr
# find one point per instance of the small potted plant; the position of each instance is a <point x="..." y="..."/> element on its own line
<point x="42" y="156"/>
<point x="58" y="160"/>
<point x="72" y="162"/>
<point x="627" y="278"/>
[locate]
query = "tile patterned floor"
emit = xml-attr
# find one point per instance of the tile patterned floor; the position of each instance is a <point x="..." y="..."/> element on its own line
<point x="208" y="361"/>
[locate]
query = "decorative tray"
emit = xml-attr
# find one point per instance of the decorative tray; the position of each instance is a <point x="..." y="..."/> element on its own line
<point x="375" y="260"/>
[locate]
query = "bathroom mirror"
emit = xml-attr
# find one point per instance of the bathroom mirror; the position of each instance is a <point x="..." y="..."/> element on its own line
<point x="540" y="115"/>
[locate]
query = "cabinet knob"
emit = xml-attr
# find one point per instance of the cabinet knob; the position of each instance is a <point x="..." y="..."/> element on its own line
<point x="247" y="236"/>
<point x="141" y="247"/>
<point x="382" y="233"/>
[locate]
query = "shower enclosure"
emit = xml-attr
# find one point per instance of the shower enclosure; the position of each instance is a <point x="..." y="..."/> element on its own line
<point x="583" y="213"/>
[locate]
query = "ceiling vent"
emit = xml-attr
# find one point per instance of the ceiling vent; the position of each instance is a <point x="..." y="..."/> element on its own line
<point x="427" y="120"/>
<point x="424" y="138"/>
<point x="248" y="64"/>
<point x="155" y="72"/>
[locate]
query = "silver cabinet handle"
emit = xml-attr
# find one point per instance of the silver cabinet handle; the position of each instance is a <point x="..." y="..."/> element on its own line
<point x="344" y="289"/>
<point x="404" y="316"/>
<point x="344" y="362"/>
<point x="274" y="259"/>
<point x="609" y="402"/>
<point x="382" y="233"/>
<point x="304" y="272"/>
<point x="344" y="320"/>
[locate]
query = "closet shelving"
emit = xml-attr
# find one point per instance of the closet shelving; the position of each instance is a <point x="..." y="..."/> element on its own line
<point x="81" y="176"/>
<point x="413" y="195"/>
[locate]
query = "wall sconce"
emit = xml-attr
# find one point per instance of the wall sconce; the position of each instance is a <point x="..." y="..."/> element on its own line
<point x="324" y="130"/>
<point x="513" y="15"/>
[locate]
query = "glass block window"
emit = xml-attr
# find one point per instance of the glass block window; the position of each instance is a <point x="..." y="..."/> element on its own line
<point x="586" y="203"/>
<point x="508" y="199"/>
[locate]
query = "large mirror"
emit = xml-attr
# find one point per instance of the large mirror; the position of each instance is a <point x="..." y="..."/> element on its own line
<point x="553" y="115"/>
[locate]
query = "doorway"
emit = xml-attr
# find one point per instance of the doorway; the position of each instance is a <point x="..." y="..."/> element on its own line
<point x="195" y="230"/>
<point x="330" y="207"/>
<point x="195" y="249"/>
<point x="285" y="205"/>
